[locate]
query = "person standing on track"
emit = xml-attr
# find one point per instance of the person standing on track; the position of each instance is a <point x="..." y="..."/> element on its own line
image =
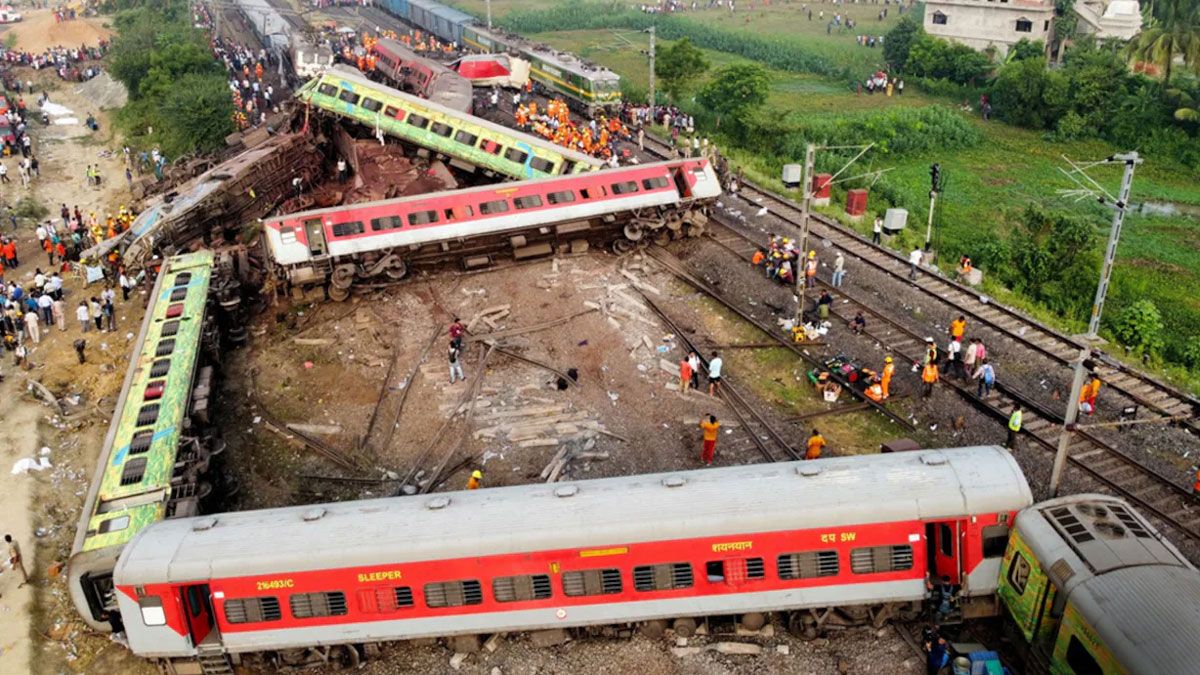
<point x="457" y="330"/>
<point x="839" y="270"/>
<point x="914" y="262"/>
<point x="1014" y="427"/>
<point x="694" y="362"/>
<point x="810" y="270"/>
<point x="710" y="427"/>
<point x="714" y="374"/>
<point x="685" y="376"/>
<point x="877" y="230"/>
<point x="986" y="376"/>
<point x="454" y="354"/>
<point x="16" y="560"/>
<point x="929" y="376"/>
<point x="815" y="443"/>
<point x="958" y="328"/>
<point x="889" y="369"/>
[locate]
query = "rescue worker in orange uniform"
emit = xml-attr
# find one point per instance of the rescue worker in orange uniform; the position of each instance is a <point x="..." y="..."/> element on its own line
<point x="815" y="443"/>
<point x="475" y="481"/>
<point x="810" y="270"/>
<point x="1090" y="391"/>
<point x="929" y="375"/>
<point x="889" y="369"/>
<point x="875" y="391"/>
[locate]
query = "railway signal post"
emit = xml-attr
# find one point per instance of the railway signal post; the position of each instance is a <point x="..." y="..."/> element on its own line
<point x="1119" y="205"/>
<point x="935" y="184"/>
<point x="651" y="96"/>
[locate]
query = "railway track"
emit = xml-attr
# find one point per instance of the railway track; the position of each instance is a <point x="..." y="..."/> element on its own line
<point x="1147" y="392"/>
<point x="1167" y="500"/>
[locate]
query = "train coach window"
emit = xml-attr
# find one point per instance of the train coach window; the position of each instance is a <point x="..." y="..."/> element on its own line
<point x="422" y="217"/>
<point x="1080" y="660"/>
<point x="492" y="147"/>
<point x="152" y="610"/>
<point x="182" y="279"/>
<point x="384" y="599"/>
<point x="515" y="155"/>
<point x="453" y="593"/>
<point x="592" y="582"/>
<point x="133" y="471"/>
<point x="141" y="441"/>
<point x="349" y="96"/>
<point x="170" y="328"/>
<point x="113" y="525"/>
<point x="348" y="229"/>
<point x="386" y="223"/>
<point x="808" y="565"/>
<point x="393" y="112"/>
<point x="1018" y="573"/>
<point x="527" y="202"/>
<point x="665" y="577"/>
<point x="253" y="610"/>
<point x="311" y="605"/>
<point x="561" y="197"/>
<point x="161" y="367"/>
<point x="327" y="89"/>
<point x="543" y="165"/>
<point x="656" y="183"/>
<point x="498" y="206"/>
<point x="466" y="138"/>
<point x="371" y="104"/>
<point x="443" y="130"/>
<point x="287" y="235"/>
<point x="164" y="348"/>
<point x="995" y="540"/>
<point x="874" y="559"/>
<point x="624" y="188"/>
<point x="755" y="569"/>
<point x="147" y="415"/>
<point x="418" y="121"/>
<point x="178" y="294"/>
<point x="521" y="587"/>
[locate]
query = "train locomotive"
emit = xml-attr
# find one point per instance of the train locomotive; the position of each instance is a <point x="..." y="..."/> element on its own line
<point x="349" y="244"/>
<point x="649" y="551"/>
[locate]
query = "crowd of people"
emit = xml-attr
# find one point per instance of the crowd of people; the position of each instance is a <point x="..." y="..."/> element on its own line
<point x="65" y="61"/>
<point x="553" y="122"/>
<point x="252" y="98"/>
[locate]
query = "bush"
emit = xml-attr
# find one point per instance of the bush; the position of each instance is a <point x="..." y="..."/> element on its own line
<point x="1190" y="353"/>
<point x="936" y="58"/>
<point x="1139" y="327"/>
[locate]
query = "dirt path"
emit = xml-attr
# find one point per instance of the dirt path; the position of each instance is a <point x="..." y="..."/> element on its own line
<point x="38" y="31"/>
<point x="18" y="438"/>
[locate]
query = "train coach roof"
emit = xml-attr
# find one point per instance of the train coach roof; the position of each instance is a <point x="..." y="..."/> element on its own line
<point x="1148" y="616"/>
<point x="352" y="75"/>
<point x="838" y="491"/>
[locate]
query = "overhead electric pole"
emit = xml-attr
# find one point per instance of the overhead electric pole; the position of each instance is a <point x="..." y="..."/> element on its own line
<point x="651" y="65"/>
<point x="489" y="14"/>
<point x="1119" y="206"/>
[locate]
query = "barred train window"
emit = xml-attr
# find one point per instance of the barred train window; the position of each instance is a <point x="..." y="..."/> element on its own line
<point x="543" y="165"/>
<point x="384" y="599"/>
<point x="422" y="217"/>
<point x="808" y="564"/>
<point x="625" y="187"/>
<point x="497" y="206"/>
<point x="656" y="183"/>
<point x="386" y="223"/>
<point x="515" y="155"/>
<point x="348" y="229"/>
<point x="252" y="610"/>
<point x="664" y="577"/>
<point x="522" y="587"/>
<point x="874" y="559"/>
<point x="561" y="197"/>
<point x="310" y="605"/>
<point x="592" y="582"/>
<point x="528" y="202"/>
<point x="453" y="593"/>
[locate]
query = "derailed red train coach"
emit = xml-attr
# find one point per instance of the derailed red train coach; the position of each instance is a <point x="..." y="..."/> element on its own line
<point x="860" y="534"/>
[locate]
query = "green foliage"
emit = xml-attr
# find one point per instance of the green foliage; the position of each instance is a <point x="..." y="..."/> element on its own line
<point x="179" y="98"/>
<point x="1190" y="353"/>
<point x="1027" y="50"/>
<point x="1051" y="259"/>
<point x="1139" y="327"/>
<point x="892" y="130"/>
<point x="736" y="91"/>
<point x="30" y="208"/>
<point x="899" y="41"/>
<point x="678" y="66"/>
<point x="1027" y="94"/>
<point x="936" y="58"/>
<point x="1174" y="31"/>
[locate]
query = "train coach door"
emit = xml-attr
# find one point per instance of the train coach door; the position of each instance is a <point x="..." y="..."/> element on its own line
<point x="197" y="605"/>
<point x="944" y="550"/>
<point x="681" y="183"/>
<point x="314" y="231"/>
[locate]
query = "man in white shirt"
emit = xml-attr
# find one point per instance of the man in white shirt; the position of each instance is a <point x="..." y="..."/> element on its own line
<point x="877" y="230"/>
<point x="714" y="374"/>
<point x="914" y="260"/>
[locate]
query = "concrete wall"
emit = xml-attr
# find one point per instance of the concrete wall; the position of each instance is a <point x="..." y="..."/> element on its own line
<point x="983" y="23"/>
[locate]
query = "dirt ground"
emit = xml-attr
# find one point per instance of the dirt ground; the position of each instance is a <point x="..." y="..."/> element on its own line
<point x="38" y="31"/>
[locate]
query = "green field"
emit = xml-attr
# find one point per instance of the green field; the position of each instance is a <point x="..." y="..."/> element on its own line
<point x="1012" y="167"/>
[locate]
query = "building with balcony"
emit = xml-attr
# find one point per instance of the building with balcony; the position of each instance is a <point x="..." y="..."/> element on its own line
<point x="980" y="24"/>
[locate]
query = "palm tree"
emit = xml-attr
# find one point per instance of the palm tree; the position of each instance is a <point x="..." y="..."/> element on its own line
<point x="1173" y="30"/>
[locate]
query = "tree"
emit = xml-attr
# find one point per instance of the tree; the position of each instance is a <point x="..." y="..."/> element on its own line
<point x="899" y="40"/>
<point x="938" y="59"/>
<point x="1174" y="31"/>
<point x="1025" y="49"/>
<point x="198" y="114"/>
<point x="1053" y="260"/>
<point x="1140" y="328"/>
<point x="1026" y="93"/>
<point x="736" y="91"/>
<point x="679" y="66"/>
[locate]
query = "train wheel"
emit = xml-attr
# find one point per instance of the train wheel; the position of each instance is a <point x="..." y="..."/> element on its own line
<point x="344" y="657"/>
<point x="634" y="232"/>
<point x="674" y="223"/>
<point x="653" y="629"/>
<point x="622" y="246"/>
<point x="662" y="237"/>
<point x="338" y="294"/>
<point x="343" y="276"/>
<point x="802" y="626"/>
<point x="397" y="269"/>
<point x="684" y="627"/>
<point x="753" y="620"/>
<point x="693" y="230"/>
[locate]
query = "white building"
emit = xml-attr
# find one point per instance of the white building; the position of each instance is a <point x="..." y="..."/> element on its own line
<point x="1002" y="23"/>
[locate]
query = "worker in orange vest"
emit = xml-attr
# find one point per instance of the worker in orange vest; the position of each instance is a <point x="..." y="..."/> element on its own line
<point x="475" y="481"/>
<point x="1090" y="391"/>
<point x="889" y="369"/>
<point x="929" y="375"/>
<point x="875" y="391"/>
<point x="810" y="270"/>
<point x="815" y="443"/>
